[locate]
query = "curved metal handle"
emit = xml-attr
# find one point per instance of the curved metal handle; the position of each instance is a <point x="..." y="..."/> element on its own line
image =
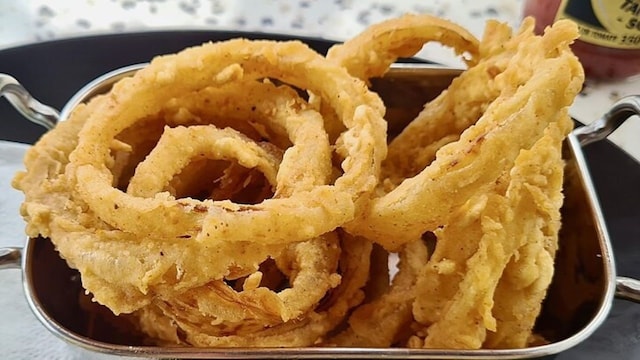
<point x="10" y="258"/>
<point x="628" y="289"/>
<point x="610" y="121"/>
<point x="623" y="109"/>
<point x="26" y="104"/>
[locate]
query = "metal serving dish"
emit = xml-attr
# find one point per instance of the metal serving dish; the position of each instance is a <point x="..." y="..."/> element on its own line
<point x="578" y="301"/>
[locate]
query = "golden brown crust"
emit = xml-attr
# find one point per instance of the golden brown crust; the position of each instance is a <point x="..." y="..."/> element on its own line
<point x="221" y="209"/>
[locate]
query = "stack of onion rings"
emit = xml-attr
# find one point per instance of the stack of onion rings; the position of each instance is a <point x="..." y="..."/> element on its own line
<point x="242" y="193"/>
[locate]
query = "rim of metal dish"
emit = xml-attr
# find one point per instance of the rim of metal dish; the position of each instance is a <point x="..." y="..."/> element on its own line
<point x="310" y="352"/>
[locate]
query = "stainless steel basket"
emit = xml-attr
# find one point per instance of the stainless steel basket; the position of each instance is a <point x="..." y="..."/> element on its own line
<point x="579" y="299"/>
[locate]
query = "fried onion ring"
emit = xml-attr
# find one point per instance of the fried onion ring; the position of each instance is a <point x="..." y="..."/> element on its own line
<point x="385" y="321"/>
<point x="529" y="211"/>
<point x="151" y="177"/>
<point x="370" y="53"/>
<point x="313" y="212"/>
<point x="514" y="121"/>
<point x="164" y="323"/>
<point x="461" y="105"/>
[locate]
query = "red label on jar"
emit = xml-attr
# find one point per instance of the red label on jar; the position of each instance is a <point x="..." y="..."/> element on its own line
<point x="608" y="23"/>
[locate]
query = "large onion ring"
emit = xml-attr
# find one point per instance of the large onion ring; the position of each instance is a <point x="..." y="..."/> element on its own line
<point x="313" y="212"/>
<point x="514" y="121"/>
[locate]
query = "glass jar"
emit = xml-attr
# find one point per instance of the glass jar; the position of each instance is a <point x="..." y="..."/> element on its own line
<point x="609" y="42"/>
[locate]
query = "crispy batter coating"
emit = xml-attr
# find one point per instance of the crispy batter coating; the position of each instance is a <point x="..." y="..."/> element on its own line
<point x="370" y="53"/>
<point x="243" y="193"/>
<point x="541" y="79"/>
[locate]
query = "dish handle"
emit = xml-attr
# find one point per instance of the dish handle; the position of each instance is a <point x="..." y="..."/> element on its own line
<point x="26" y="104"/>
<point x="10" y="258"/>
<point x="610" y="121"/>
<point x="626" y="288"/>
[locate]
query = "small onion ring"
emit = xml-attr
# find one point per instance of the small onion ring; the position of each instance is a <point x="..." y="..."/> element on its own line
<point x="274" y="113"/>
<point x="162" y="322"/>
<point x="315" y="263"/>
